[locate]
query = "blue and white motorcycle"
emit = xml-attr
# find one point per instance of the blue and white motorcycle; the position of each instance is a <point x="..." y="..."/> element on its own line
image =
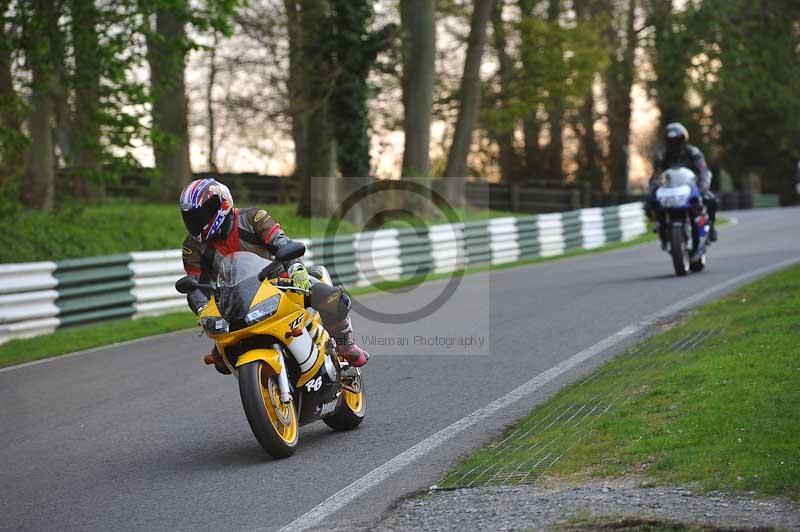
<point x="684" y="224"/>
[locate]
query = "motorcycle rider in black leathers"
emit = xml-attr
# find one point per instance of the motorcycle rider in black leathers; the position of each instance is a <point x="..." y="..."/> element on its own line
<point x="678" y="152"/>
<point x="797" y="178"/>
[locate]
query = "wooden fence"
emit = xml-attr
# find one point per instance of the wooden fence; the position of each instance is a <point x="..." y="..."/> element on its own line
<point x="534" y="196"/>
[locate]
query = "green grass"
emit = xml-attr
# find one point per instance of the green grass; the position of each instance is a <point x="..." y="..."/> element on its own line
<point x="121" y="226"/>
<point x="77" y="338"/>
<point x="724" y="414"/>
<point x="85" y="337"/>
<point x="117" y="226"/>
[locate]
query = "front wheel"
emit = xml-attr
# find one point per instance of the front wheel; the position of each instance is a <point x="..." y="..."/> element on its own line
<point x="274" y="424"/>
<point x="678" y="250"/>
<point x="350" y="412"/>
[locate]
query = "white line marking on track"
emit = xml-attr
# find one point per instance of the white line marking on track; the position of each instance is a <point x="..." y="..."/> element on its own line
<point x="348" y="494"/>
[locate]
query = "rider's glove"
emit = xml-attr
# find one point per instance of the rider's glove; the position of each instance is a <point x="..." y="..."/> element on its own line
<point x="300" y="277"/>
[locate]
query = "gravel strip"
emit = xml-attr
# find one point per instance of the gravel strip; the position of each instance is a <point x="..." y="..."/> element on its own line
<point x="527" y="507"/>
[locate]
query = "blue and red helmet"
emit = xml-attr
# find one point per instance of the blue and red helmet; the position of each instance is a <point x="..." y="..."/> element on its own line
<point x="204" y="205"/>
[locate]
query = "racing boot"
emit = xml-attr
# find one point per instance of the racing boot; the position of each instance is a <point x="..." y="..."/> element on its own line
<point x="342" y="334"/>
<point x="712" y="202"/>
<point x="215" y="358"/>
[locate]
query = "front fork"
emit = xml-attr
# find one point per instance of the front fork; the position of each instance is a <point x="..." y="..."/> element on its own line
<point x="283" y="377"/>
<point x="700" y="227"/>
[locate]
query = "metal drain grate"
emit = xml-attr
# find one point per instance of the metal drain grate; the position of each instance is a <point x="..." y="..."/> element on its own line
<point x="700" y="338"/>
<point x="531" y="448"/>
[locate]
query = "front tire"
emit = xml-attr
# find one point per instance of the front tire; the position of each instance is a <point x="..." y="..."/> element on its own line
<point x="677" y="248"/>
<point x="273" y="423"/>
<point x="351" y="411"/>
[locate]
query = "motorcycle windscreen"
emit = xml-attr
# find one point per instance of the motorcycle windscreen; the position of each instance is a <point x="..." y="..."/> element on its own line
<point x="677" y="176"/>
<point x="237" y="283"/>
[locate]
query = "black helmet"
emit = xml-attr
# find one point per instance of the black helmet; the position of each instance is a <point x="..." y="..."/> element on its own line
<point x="675" y="137"/>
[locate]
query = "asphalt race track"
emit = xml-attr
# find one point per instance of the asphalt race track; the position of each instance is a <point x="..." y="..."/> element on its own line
<point x="143" y="436"/>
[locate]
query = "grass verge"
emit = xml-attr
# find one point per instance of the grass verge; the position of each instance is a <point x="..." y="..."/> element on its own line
<point x="121" y="226"/>
<point x="713" y="401"/>
<point x="88" y="336"/>
<point x="95" y="335"/>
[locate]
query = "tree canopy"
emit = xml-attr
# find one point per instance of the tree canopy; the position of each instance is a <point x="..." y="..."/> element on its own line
<point x="509" y="90"/>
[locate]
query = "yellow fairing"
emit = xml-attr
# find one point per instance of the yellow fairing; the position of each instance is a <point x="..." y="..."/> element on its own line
<point x="290" y="312"/>
<point x="269" y="356"/>
<point x="305" y="377"/>
<point x="211" y="309"/>
<point x="277" y="325"/>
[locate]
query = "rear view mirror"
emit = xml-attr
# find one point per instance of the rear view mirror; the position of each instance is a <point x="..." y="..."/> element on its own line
<point x="184" y="285"/>
<point x="292" y="250"/>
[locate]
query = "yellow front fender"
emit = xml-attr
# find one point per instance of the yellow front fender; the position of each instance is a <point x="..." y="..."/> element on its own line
<point x="269" y="356"/>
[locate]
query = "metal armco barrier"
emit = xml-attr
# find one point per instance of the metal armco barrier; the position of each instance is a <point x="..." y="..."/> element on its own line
<point x="94" y="289"/>
<point x="36" y="298"/>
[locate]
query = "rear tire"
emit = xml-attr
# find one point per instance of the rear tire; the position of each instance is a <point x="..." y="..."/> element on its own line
<point x="677" y="248"/>
<point x="274" y="424"/>
<point x="351" y="411"/>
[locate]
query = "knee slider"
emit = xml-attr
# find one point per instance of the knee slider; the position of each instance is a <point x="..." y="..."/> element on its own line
<point x="330" y="298"/>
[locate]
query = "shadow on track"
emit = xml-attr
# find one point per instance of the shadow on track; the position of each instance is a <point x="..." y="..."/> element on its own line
<point x="643" y="279"/>
<point x="243" y="451"/>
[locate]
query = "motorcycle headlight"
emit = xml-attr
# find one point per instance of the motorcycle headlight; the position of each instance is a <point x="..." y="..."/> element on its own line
<point x="263" y="310"/>
<point x="214" y="325"/>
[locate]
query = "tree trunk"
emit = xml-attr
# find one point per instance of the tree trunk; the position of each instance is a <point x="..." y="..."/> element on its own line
<point x="349" y="97"/>
<point x="531" y="125"/>
<point x="87" y="94"/>
<point x="310" y="78"/>
<point x="40" y="175"/>
<point x="166" y="53"/>
<point x="470" y="93"/>
<point x="12" y="139"/>
<point x="589" y="169"/>
<point x="589" y="165"/>
<point x="64" y="129"/>
<point x="532" y="128"/>
<point x="505" y="137"/>
<point x="296" y="86"/>
<point x="38" y="189"/>
<point x="418" y="19"/>
<point x="555" y="150"/>
<point x="321" y="155"/>
<point x="212" y="79"/>
<point x="555" y="113"/>
<point x="619" y="81"/>
<point x="355" y="49"/>
<point x="669" y="65"/>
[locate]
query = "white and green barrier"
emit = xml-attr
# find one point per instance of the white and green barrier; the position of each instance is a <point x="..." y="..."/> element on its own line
<point x="37" y="298"/>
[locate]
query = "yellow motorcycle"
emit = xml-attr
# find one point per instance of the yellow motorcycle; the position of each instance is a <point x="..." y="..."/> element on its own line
<point x="285" y="361"/>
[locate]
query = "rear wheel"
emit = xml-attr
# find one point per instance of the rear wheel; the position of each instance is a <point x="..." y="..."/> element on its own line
<point x="350" y="412"/>
<point x="274" y="424"/>
<point x="678" y="250"/>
